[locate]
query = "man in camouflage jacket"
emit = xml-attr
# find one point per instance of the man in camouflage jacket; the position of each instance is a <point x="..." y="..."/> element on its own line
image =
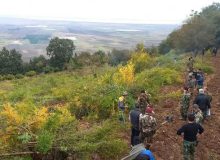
<point x="143" y="101"/>
<point x="198" y="114"/>
<point x="147" y="124"/>
<point x="184" y="104"/>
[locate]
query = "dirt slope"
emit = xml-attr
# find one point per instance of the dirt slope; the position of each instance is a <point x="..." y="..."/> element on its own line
<point x="168" y="146"/>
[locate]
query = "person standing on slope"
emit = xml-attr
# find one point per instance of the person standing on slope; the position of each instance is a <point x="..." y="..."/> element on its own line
<point x="184" y="103"/>
<point x="209" y="95"/>
<point x="122" y="106"/>
<point x="203" y="102"/>
<point x="190" y="64"/>
<point x="189" y="132"/>
<point x="191" y="84"/>
<point x="200" y="81"/>
<point x="198" y="114"/>
<point x="143" y="101"/>
<point x="134" y="119"/>
<point x="147" y="124"/>
<point x="214" y="51"/>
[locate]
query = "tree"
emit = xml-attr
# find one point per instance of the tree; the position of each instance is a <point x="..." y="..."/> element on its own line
<point x="99" y="58"/>
<point x="60" y="52"/>
<point x="10" y="61"/>
<point x="119" y="56"/>
<point x="84" y="59"/>
<point x="140" y="47"/>
<point x="38" y="63"/>
<point x="199" y="31"/>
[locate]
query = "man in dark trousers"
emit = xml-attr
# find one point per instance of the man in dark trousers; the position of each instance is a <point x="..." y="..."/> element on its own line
<point x="134" y="119"/>
<point x="214" y="51"/>
<point x="203" y="102"/>
<point x="190" y="131"/>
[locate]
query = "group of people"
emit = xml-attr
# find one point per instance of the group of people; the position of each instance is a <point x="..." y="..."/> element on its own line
<point x="198" y="94"/>
<point x="144" y="124"/>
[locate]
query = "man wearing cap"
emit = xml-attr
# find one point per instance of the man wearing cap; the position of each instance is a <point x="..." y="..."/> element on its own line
<point x="189" y="132"/>
<point x="203" y="102"/>
<point x="147" y="124"/>
<point x="122" y="106"/>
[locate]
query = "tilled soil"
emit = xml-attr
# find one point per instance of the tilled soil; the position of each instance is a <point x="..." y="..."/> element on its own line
<point x="168" y="146"/>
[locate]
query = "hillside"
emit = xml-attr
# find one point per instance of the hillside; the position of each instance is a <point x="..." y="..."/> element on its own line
<point x="75" y="112"/>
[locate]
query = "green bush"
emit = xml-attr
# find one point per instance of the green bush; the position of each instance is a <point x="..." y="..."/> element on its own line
<point x="1" y="77"/>
<point x="103" y="138"/>
<point x="110" y="149"/>
<point x="48" y="69"/>
<point x="9" y="77"/>
<point x="19" y="76"/>
<point x="204" y="65"/>
<point x="45" y="141"/>
<point x="79" y="111"/>
<point x="30" y="73"/>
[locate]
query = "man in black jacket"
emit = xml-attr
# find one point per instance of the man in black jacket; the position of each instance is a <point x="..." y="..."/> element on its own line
<point x="203" y="102"/>
<point x="134" y="119"/>
<point x="190" y="132"/>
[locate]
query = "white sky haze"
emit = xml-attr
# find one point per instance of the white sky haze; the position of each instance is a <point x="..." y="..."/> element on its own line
<point x="119" y="11"/>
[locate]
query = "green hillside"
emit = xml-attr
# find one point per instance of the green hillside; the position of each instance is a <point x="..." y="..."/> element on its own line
<point x="75" y="112"/>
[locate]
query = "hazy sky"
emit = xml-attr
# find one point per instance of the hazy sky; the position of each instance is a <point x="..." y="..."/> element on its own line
<point x="134" y="11"/>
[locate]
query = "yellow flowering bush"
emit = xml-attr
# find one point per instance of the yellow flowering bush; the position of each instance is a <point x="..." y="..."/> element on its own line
<point x="141" y="61"/>
<point x="65" y="115"/>
<point x="125" y="75"/>
<point x="40" y="117"/>
<point x="11" y="115"/>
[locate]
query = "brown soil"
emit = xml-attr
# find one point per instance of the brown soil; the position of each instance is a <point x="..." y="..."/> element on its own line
<point x="168" y="146"/>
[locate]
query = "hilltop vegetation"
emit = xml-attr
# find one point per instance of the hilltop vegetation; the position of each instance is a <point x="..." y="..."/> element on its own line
<point x="201" y="30"/>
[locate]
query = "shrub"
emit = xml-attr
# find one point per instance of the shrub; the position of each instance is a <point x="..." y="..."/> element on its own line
<point x="45" y="141"/>
<point x="30" y="73"/>
<point x="9" y="77"/>
<point x="102" y="138"/>
<point x="48" y="69"/>
<point x="19" y="76"/>
<point x="204" y="65"/>
<point x="1" y="77"/>
<point x="79" y="111"/>
<point x="141" y="61"/>
<point x="125" y="75"/>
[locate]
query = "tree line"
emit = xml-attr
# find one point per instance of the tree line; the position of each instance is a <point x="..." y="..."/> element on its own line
<point x="200" y="31"/>
<point x="60" y="56"/>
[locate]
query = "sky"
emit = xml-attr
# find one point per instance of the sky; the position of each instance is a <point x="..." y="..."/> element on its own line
<point x="118" y="11"/>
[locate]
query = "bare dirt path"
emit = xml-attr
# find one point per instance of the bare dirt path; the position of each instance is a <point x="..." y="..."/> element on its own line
<point x="168" y="146"/>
